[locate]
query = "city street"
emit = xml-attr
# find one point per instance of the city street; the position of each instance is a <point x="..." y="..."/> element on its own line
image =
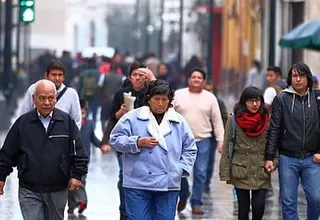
<point x="104" y="201"/>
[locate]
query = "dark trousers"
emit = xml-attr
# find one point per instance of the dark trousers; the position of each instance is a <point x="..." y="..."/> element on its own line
<point x="42" y="206"/>
<point x="258" y="201"/>
<point x="184" y="192"/>
<point x="212" y="156"/>
<point x="122" y="207"/>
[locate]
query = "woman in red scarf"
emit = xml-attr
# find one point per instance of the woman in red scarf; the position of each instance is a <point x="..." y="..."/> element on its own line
<point x="242" y="161"/>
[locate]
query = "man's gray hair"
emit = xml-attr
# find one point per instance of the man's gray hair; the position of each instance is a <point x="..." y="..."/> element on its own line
<point x="45" y="82"/>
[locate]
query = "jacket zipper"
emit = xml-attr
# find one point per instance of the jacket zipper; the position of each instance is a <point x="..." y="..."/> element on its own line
<point x="74" y="147"/>
<point x="304" y="128"/>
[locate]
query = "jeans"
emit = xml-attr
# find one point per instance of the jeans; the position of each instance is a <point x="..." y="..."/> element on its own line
<point x="212" y="155"/>
<point x="258" y="202"/>
<point x="200" y="171"/>
<point x="290" y="170"/>
<point x="122" y="206"/>
<point x="150" y="205"/>
<point x="42" y="206"/>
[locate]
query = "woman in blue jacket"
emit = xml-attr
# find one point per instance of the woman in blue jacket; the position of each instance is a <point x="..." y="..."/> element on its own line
<point x="158" y="149"/>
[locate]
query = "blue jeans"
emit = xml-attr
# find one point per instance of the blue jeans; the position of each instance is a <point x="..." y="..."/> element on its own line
<point x="200" y="171"/>
<point x="150" y="205"/>
<point x="212" y="156"/>
<point x="122" y="207"/>
<point x="290" y="170"/>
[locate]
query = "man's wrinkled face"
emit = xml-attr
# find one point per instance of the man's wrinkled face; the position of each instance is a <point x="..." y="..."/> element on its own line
<point x="44" y="99"/>
<point x="55" y="76"/>
<point x="299" y="81"/>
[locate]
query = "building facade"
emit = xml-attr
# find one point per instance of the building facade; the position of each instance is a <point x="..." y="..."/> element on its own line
<point x="48" y="31"/>
<point x="289" y="14"/>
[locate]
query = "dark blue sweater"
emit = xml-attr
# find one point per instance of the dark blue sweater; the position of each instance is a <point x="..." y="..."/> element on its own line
<point x="88" y="136"/>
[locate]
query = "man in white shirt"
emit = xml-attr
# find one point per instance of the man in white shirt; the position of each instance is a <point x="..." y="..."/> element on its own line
<point x="67" y="98"/>
<point x="275" y="84"/>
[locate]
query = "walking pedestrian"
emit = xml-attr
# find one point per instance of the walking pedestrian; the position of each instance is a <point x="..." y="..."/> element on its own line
<point x="204" y="117"/>
<point x="45" y="146"/>
<point x="242" y="160"/>
<point x="79" y="199"/>
<point x="294" y="133"/>
<point x="158" y="148"/>
<point x="138" y="76"/>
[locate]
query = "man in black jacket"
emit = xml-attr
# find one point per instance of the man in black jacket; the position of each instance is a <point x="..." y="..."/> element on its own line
<point x="294" y="133"/>
<point x="45" y="146"/>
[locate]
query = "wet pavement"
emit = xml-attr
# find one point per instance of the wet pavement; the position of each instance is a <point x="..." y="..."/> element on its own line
<point x="103" y="194"/>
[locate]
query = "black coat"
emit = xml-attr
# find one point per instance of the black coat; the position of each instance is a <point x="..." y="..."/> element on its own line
<point x="45" y="160"/>
<point x="116" y="105"/>
<point x="294" y="127"/>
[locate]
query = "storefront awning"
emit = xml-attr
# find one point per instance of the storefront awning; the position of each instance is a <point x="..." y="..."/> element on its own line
<point x="304" y="36"/>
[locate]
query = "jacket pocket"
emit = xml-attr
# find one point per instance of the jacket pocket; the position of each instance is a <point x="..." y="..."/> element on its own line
<point x="263" y="174"/>
<point x="239" y="169"/>
<point x="64" y="165"/>
<point x="22" y="165"/>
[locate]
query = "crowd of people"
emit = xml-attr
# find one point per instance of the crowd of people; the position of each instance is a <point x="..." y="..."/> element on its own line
<point x="165" y="128"/>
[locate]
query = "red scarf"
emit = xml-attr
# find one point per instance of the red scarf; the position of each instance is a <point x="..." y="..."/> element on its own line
<point x="253" y="125"/>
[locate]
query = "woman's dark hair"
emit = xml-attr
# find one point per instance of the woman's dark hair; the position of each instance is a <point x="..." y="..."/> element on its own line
<point x="203" y="73"/>
<point x="136" y="65"/>
<point x="250" y="92"/>
<point x="159" y="87"/>
<point x="303" y="70"/>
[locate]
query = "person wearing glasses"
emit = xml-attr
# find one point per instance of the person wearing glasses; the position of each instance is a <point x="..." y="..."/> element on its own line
<point x="294" y="134"/>
<point x="244" y="166"/>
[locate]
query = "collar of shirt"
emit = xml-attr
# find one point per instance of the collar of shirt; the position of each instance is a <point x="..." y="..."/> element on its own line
<point x="48" y="117"/>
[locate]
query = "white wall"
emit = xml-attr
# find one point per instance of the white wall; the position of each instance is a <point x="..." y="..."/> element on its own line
<point x="81" y="15"/>
<point x="48" y="30"/>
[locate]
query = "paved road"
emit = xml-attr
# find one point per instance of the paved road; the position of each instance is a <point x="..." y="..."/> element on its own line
<point x="104" y="201"/>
